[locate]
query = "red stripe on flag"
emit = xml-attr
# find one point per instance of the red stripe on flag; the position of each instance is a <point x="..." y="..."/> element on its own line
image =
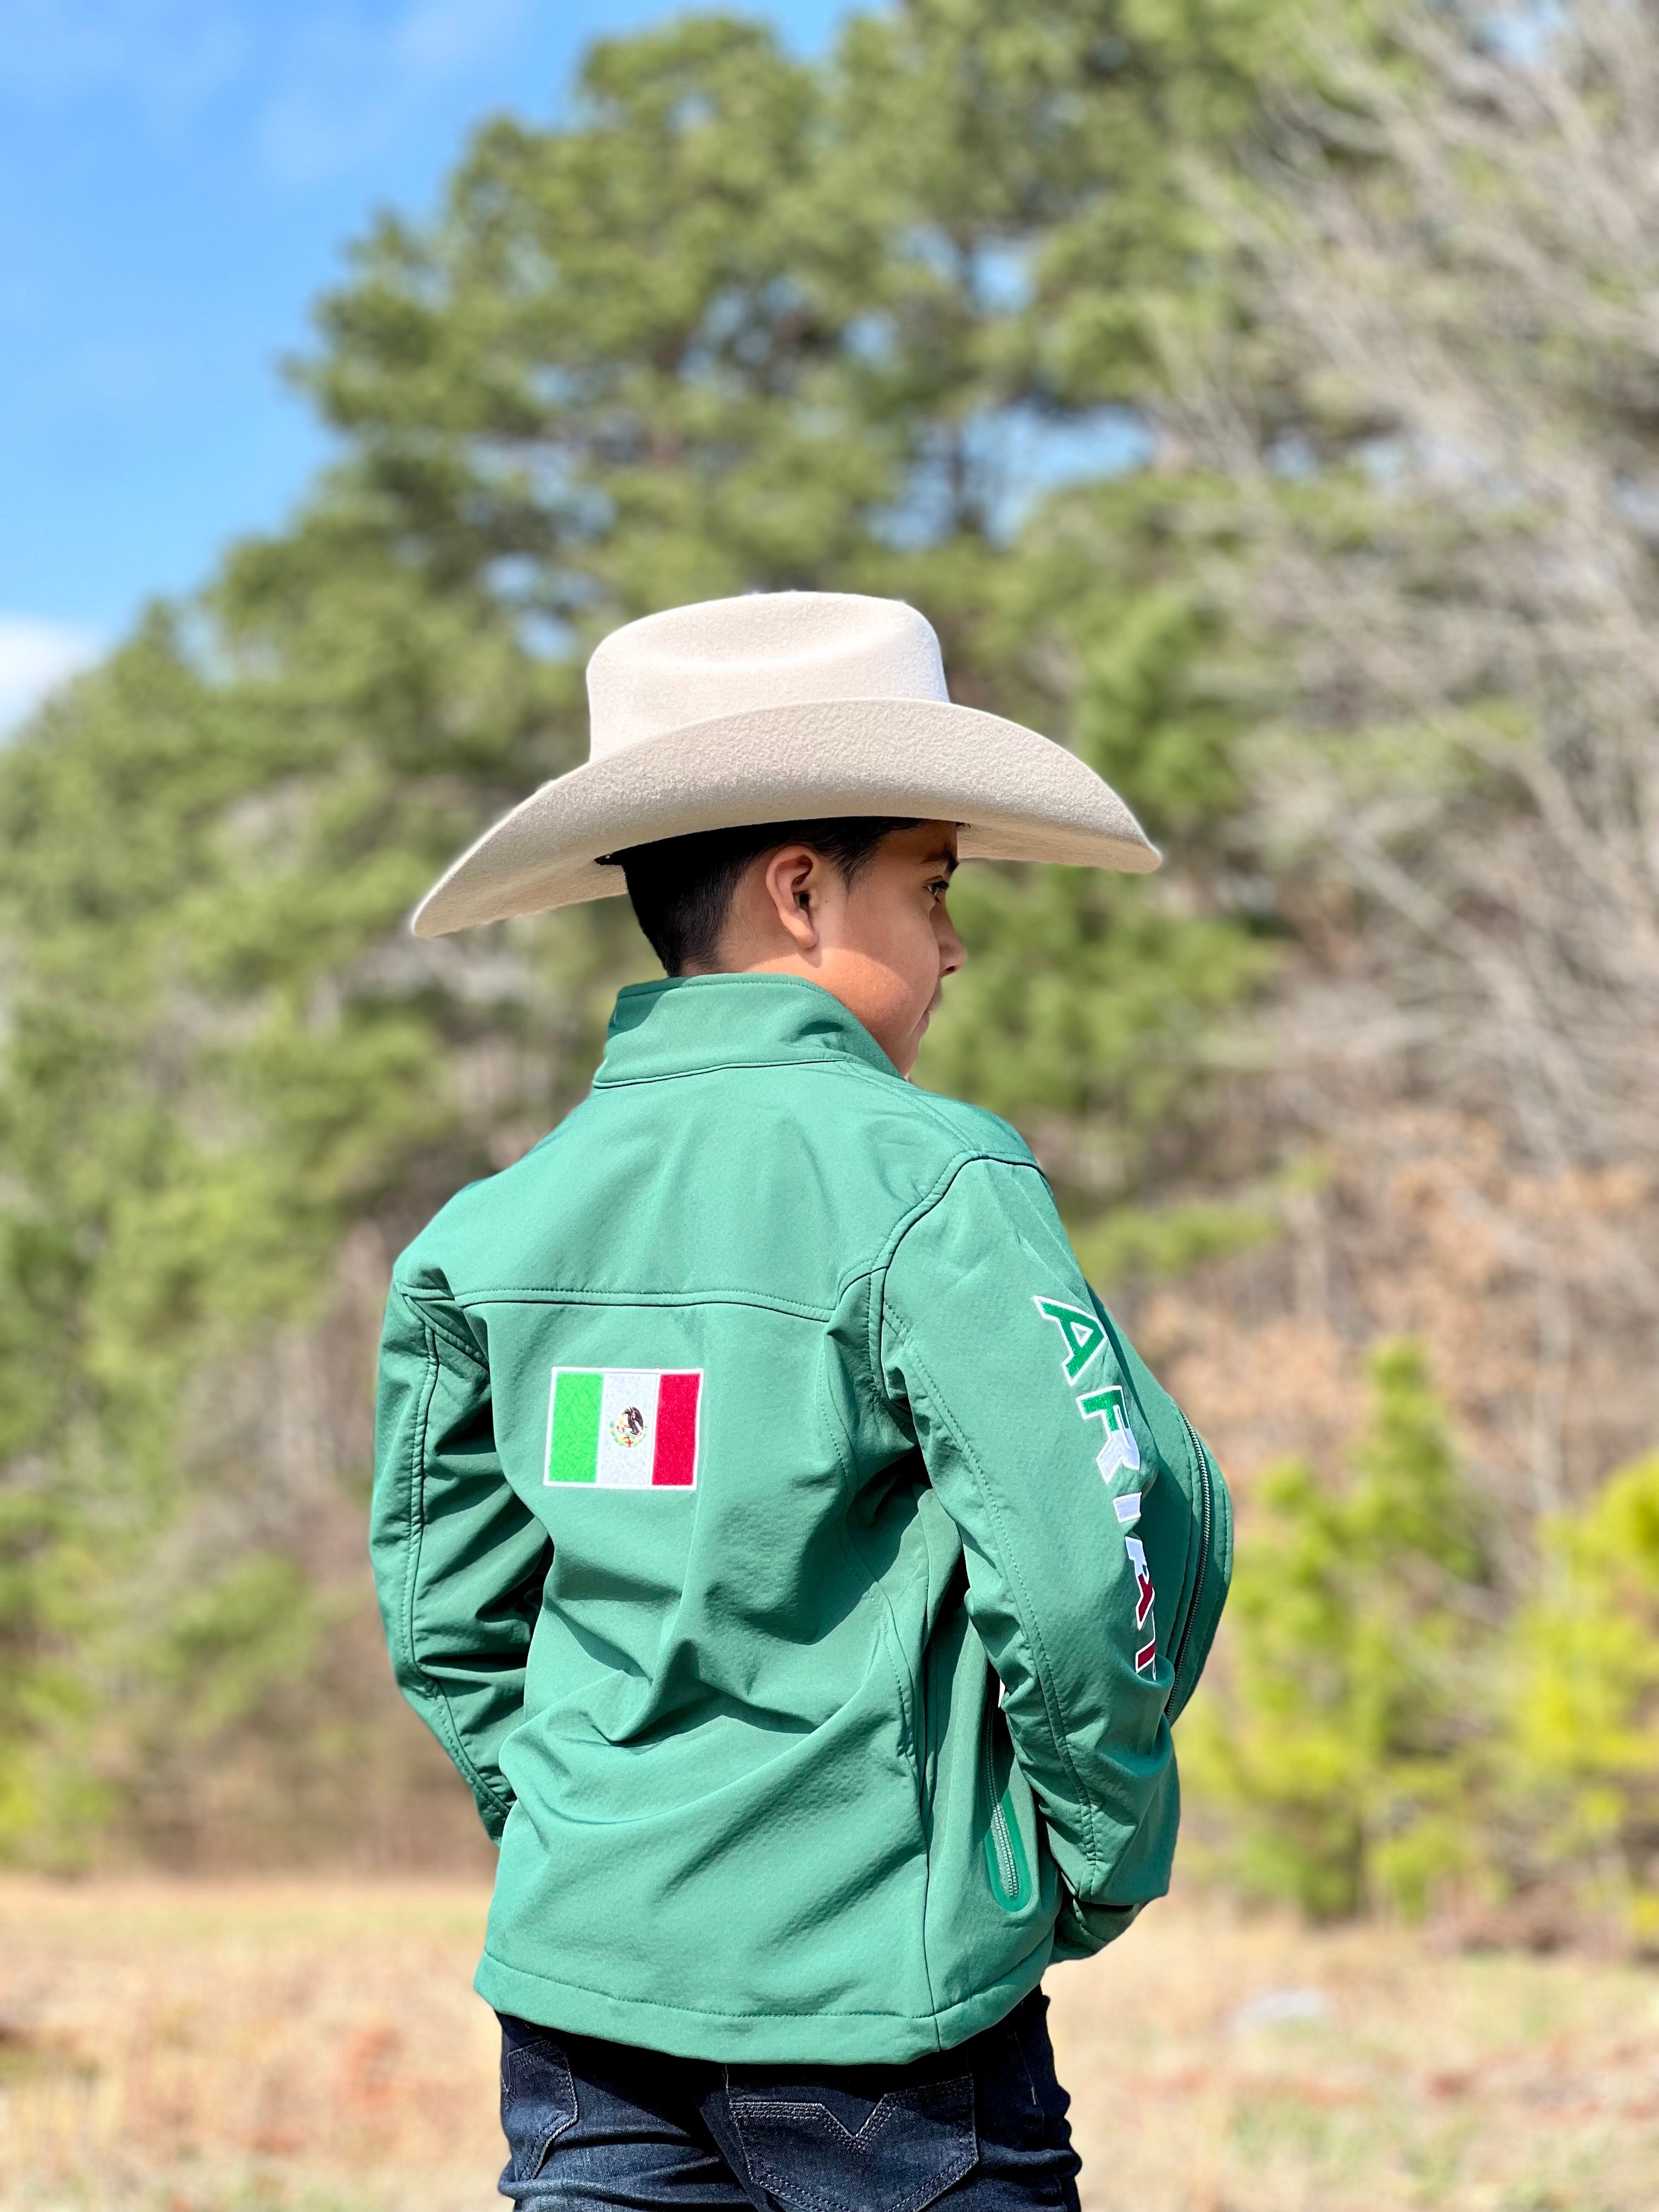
<point x="674" y="1466"/>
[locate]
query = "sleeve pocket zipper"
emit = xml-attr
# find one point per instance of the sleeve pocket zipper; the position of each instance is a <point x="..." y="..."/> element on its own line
<point x="1005" y="1854"/>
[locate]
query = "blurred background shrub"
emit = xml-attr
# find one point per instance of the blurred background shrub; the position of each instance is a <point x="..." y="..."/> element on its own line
<point x="1260" y="400"/>
<point x="1345" y="1741"/>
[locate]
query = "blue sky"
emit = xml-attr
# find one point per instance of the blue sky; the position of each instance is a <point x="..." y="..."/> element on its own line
<point x="177" y="180"/>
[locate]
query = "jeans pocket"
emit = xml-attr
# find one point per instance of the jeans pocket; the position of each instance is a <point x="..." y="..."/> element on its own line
<point x="538" y="2101"/>
<point x="895" y="2155"/>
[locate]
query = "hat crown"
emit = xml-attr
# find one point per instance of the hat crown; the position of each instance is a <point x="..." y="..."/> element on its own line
<point x="722" y="657"/>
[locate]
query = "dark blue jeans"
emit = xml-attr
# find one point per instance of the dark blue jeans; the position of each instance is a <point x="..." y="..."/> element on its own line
<point x="979" y="2129"/>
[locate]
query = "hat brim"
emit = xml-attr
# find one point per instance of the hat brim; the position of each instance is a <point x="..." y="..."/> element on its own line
<point x="1017" y="796"/>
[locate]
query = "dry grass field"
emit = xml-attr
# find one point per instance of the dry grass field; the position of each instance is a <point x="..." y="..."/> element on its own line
<point x="289" y="2047"/>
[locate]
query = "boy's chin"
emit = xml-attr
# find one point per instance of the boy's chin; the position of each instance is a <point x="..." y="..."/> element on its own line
<point x="905" y="1060"/>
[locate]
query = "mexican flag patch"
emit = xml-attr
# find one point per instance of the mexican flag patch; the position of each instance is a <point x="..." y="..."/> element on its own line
<point x="623" y="1428"/>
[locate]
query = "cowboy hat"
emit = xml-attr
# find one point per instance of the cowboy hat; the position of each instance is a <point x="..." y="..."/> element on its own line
<point x="779" y="707"/>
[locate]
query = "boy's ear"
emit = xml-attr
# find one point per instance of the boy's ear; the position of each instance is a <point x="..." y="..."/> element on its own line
<point x="792" y="879"/>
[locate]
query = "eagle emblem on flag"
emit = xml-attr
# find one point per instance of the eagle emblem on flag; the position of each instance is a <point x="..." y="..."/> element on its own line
<point x="629" y="1427"/>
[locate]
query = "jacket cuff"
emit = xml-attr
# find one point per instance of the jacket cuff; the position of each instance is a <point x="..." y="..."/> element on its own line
<point x="492" y="1814"/>
<point x="1082" y="1929"/>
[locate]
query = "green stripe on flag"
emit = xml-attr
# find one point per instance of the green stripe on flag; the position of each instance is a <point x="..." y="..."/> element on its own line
<point x="573" y="1450"/>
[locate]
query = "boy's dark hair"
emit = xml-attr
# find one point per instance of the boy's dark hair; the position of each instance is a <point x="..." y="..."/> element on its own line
<point x="681" y="888"/>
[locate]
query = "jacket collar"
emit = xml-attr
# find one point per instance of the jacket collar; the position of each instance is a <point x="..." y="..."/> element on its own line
<point x="687" y="1023"/>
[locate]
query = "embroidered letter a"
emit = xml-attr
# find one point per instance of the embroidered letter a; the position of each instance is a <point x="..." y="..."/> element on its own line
<point x="1083" y="1333"/>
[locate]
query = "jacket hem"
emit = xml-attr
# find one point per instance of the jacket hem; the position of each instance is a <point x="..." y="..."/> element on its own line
<point x="819" y="2039"/>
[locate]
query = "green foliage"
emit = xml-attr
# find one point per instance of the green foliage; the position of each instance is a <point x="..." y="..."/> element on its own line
<point x="43" y="1575"/>
<point x="1345" y="1740"/>
<point x="1584" y="1717"/>
<point x="218" y="1656"/>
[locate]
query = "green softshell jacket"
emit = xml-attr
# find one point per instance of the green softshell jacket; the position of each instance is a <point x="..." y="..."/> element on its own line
<point x="788" y="1549"/>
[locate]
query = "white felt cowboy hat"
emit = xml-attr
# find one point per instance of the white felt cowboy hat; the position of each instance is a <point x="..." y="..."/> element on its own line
<point x="780" y="707"/>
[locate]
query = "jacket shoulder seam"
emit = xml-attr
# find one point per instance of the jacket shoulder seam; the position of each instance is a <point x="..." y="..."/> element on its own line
<point x="923" y="1206"/>
<point x="423" y="1302"/>
<point x="938" y="1191"/>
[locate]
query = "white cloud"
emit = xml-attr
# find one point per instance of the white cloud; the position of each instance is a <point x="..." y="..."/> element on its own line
<point x="35" y="658"/>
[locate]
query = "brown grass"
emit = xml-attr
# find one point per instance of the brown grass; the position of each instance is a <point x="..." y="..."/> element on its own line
<point x="222" y="2047"/>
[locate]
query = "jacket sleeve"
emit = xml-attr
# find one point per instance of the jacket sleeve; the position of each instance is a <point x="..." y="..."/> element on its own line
<point x="458" y="1559"/>
<point x="1095" y="1526"/>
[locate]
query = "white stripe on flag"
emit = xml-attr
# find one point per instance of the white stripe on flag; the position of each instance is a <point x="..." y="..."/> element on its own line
<point x="627" y="1429"/>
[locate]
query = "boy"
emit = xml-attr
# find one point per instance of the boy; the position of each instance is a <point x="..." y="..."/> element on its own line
<point x="781" y="1539"/>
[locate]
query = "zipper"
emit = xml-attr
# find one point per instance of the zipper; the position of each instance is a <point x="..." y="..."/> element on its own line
<point x="1004" y="1856"/>
<point x="1007" y="1872"/>
<point x="1205" y="1515"/>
